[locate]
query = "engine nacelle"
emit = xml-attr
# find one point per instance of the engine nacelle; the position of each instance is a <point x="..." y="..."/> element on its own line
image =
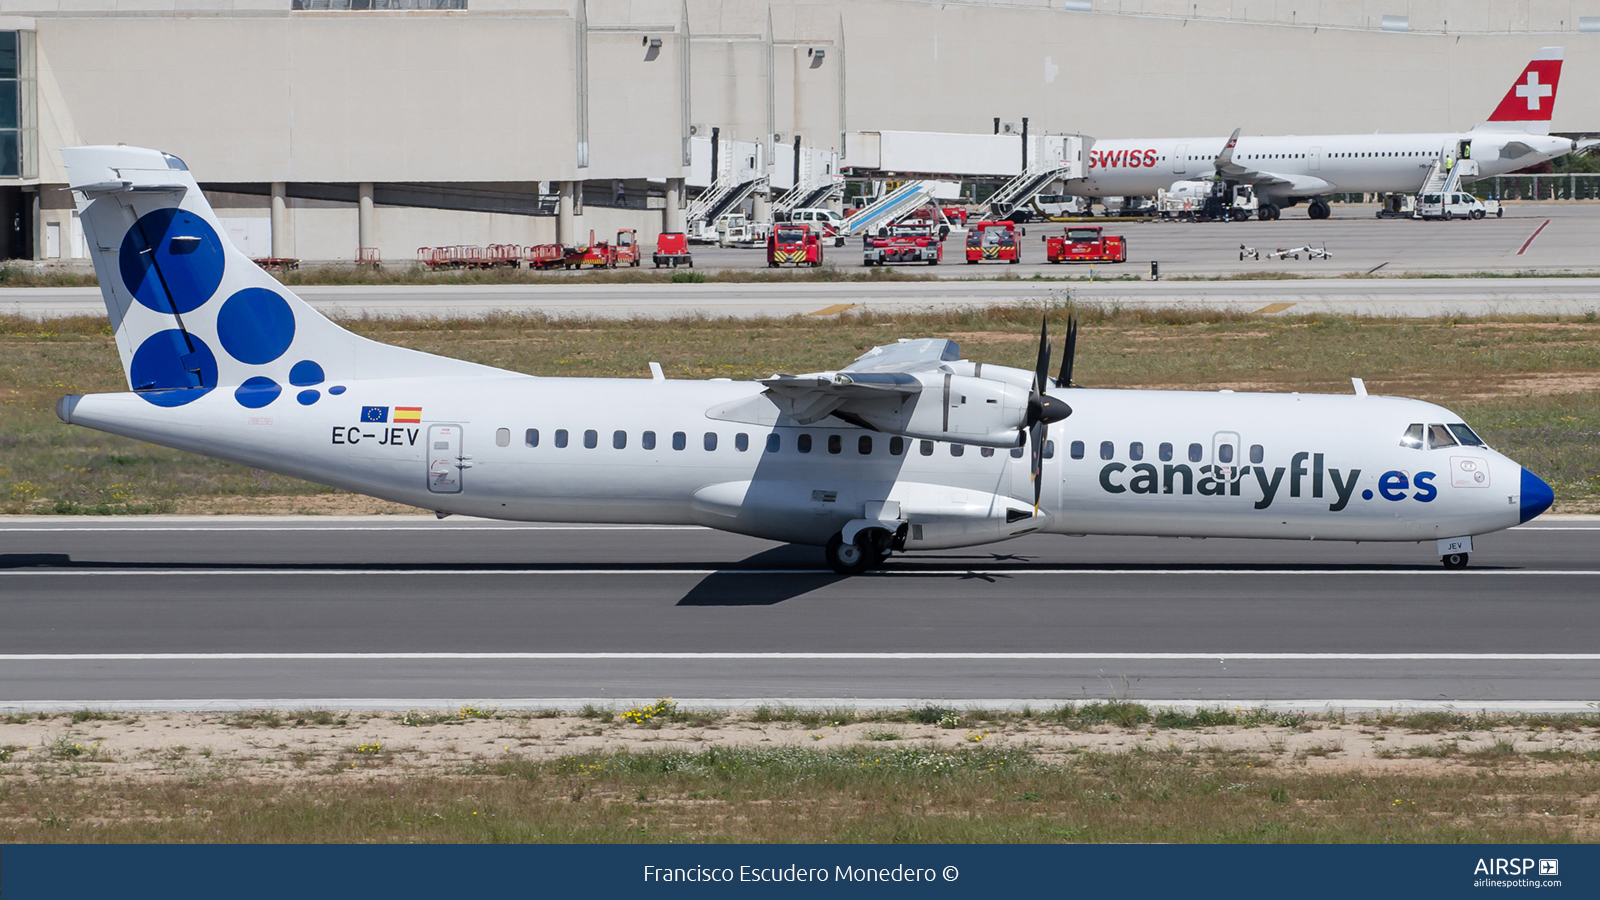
<point x="958" y="408"/>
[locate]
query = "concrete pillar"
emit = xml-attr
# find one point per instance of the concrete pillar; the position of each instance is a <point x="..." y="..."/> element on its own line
<point x="565" y="225"/>
<point x="366" y="236"/>
<point x="672" y="220"/>
<point x="280" y="220"/>
<point x="762" y="211"/>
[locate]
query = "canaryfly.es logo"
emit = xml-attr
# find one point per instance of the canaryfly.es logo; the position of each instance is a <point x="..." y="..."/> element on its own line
<point x="1307" y="473"/>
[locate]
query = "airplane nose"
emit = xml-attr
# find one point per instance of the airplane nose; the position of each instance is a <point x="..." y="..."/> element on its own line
<point x="1536" y="495"/>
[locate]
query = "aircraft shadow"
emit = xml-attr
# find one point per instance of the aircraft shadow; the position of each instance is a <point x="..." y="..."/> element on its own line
<point x="731" y="587"/>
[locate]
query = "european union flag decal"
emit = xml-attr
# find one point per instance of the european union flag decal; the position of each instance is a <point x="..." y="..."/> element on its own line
<point x="374" y="413"/>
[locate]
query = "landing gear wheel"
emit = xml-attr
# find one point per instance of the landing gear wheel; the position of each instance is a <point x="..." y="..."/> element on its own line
<point x="1318" y="210"/>
<point x="1454" y="560"/>
<point x="851" y="559"/>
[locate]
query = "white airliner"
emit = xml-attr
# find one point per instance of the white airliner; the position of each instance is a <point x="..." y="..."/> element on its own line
<point x="909" y="447"/>
<point x="1290" y="168"/>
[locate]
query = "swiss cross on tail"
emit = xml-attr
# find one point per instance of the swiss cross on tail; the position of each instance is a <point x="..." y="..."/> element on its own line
<point x="1533" y="98"/>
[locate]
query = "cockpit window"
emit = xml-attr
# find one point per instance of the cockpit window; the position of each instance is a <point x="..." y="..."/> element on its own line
<point x="1413" y="437"/>
<point x="1466" y="435"/>
<point x="1439" y="436"/>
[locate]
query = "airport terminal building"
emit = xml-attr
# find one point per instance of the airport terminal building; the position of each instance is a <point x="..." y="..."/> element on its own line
<point x="319" y="127"/>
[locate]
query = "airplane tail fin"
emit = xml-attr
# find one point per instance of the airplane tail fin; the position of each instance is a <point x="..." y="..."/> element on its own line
<point x="1528" y="105"/>
<point x="190" y="311"/>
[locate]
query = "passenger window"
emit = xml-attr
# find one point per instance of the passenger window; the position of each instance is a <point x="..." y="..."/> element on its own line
<point x="1165" y="452"/>
<point x="591" y="439"/>
<point x="1257" y="454"/>
<point x="925" y="448"/>
<point x="1136" y="451"/>
<point x="864" y="445"/>
<point x="774" y="442"/>
<point x="1016" y="452"/>
<point x="803" y="443"/>
<point x="1439" y="436"/>
<point x="502" y="437"/>
<point x="1196" y="452"/>
<point x="741" y="442"/>
<point x="986" y="452"/>
<point x="897" y="446"/>
<point x="561" y="437"/>
<point x="835" y="443"/>
<point x="1466" y="435"/>
<point x="957" y="449"/>
<point x="711" y="440"/>
<point x="1107" y="450"/>
<point x="1049" y="449"/>
<point x="1225" y="453"/>
<point x="1413" y="436"/>
<point x="1077" y="450"/>
<point x="531" y="437"/>
<point x="648" y="440"/>
<point x="619" y="440"/>
<point x="679" y="440"/>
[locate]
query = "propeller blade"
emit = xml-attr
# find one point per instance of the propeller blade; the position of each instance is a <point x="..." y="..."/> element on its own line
<point x="1041" y="372"/>
<point x="1068" y="353"/>
<point x="1036" y="437"/>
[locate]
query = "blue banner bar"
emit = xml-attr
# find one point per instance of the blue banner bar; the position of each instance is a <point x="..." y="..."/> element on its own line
<point x="32" y="872"/>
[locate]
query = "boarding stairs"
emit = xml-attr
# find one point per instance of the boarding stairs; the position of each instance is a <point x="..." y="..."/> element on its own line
<point x="809" y="191"/>
<point x="721" y="197"/>
<point x="1441" y="180"/>
<point x="1025" y="187"/>
<point x="889" y="208"/>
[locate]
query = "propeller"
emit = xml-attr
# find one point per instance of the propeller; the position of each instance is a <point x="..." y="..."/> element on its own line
<point x="1044" y="409"/>
<point x="1064" y="380"/>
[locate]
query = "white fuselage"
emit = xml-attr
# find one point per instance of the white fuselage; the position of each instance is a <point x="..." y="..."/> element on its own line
<point x="1327" y="463"/>
<point x="1348" y="162"/>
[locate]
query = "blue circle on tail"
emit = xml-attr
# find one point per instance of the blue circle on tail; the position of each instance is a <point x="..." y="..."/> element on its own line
<point x="305" y="373"/>
<point x="257" y="391"/>
<point x="167" y="372"/>
<point x="255" y="326"/>
<point x="171" y="251"/>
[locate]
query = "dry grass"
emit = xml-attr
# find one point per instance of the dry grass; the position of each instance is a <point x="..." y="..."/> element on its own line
<point x="1526" y="383"/>
<point x="1061" y="774"/>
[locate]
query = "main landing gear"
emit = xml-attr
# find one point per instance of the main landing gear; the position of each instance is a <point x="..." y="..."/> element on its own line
<point x="1454" y="560"/>
<point x="855" y="557"/>
<point x="1318" y="210"/>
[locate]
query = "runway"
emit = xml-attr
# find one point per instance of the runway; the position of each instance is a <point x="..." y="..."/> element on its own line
<point x="390" y="611"/>
<point x="1375" y="297"/>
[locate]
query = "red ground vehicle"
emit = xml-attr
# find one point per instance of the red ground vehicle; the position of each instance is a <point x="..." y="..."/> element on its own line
<point x="994" y="240"/>
<point x="906" y="242"/>
<point x="599" y="254"/>
<point x="672" y="249"/>
<point x="1085" y="243"/>
<point x="627" y="247"/>
<point x="796" y="244"/>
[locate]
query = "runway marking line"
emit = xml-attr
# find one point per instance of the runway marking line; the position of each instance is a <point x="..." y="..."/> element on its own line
<point x="1532" y="236"/>
<point x="1271" y="308"/>
<point x="778" y="655"/>
<point x="912" y="573"/>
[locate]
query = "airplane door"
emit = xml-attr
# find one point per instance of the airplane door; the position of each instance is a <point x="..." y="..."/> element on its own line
<point x="1180" y="158"/>
<point x="445" y="459"/>
<point x="1225" y="455"/>
<point x="1314" y="159"/>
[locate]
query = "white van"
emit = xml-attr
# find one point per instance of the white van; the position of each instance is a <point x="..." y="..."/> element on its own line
<point x="825" y="221"/>
<point x="1455" y="206"/>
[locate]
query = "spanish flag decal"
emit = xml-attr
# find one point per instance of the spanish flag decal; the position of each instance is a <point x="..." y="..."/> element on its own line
<point x="404" y="414"/>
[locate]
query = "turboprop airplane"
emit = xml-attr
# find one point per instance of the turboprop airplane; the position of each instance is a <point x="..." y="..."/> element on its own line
<point x="1288" y="169"/>
<point x="909" y="447"/>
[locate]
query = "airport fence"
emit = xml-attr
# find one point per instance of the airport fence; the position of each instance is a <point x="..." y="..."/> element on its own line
<point x="1550" y="186"/>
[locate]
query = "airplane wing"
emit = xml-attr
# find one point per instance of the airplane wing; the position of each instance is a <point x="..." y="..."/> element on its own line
<point x="1229" y="170"/>
<point x="883" y="376"/>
